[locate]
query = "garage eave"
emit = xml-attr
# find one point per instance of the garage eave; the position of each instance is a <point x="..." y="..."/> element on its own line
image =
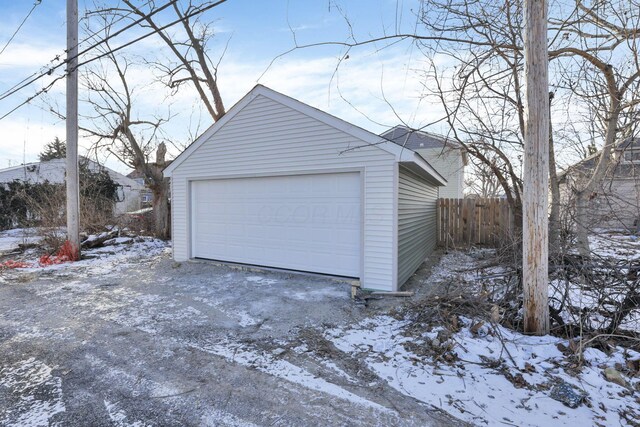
<point x="417" y="164"/>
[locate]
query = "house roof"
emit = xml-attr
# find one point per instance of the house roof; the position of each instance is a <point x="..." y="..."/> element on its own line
<point x="54" y="171"/>
<point x="402" y="154"/>
<point x="619" y="167"/>
<point x="416" y="139"/>
<point x="134" y="174"/>
<point x="586" y="163"/>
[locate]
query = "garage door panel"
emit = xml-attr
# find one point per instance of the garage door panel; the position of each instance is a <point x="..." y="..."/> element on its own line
<point x="302" y="222"/>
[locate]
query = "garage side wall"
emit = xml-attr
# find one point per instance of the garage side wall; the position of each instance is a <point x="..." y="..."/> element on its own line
<point x="268" y="138"/>
<point x="417" y="225"/>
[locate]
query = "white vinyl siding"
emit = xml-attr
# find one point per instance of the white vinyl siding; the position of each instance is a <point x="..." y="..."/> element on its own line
<point x="450" y="165"/>
<point x="267" y="138"/>
<point x="417" y="204"/>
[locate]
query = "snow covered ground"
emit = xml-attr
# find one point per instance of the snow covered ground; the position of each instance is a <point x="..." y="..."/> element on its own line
<point x="615" y="245"/>
<point x="128" y="337"/>
<point x="490" y="375"/>
<point x="10" y="239"/>
<point x="613" y="274"/>
<point x="494" y="377"/>
<point x="100" y="260"/>
<point x="478" y="372"/>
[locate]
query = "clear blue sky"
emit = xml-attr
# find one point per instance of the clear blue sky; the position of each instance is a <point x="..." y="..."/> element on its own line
<point x="257" y="31"/>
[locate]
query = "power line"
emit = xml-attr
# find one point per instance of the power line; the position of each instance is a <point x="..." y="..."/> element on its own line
<point x="164" y="27"/>
<point x="29" y="80"/>
<point x="20" y="26"/>
<point x="31" y="98"/>
<point x="44" y="69"/>
<point x="103" y="54"/>
<point x="120" y="18"/>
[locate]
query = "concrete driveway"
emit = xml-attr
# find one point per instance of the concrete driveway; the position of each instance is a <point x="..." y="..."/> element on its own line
<point x="140" y="340"/>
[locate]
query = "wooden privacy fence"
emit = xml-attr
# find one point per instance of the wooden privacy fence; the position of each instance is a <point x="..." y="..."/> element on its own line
<point x="465" y="222"/>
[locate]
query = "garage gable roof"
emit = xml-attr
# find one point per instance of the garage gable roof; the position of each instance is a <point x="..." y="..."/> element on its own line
<point x="402" y="154"/>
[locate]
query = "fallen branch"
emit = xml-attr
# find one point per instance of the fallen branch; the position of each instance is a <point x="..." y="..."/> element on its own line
<point x="394" y="294"/>
<point x="97" y="241"/>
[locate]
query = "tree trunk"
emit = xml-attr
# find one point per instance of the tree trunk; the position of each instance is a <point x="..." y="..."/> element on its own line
<point x="602" y="165"/>
<point x="517" y="220"/>
<point x="160" y="189"/>
<point x="554" y="214"/>
<point x="161" y="210"/>
<point x="581" y="219"/>
<point x="582" y="195"/>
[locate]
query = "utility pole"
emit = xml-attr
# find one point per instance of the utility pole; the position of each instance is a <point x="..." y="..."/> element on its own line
<point x="73" y="181"/>
<point x="535" y="203"/>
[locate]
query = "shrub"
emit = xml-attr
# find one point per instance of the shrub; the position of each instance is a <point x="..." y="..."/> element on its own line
<point x="26" y="204"/>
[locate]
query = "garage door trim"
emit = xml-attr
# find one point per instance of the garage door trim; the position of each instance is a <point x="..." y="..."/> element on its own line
<point x="293" y="173"/>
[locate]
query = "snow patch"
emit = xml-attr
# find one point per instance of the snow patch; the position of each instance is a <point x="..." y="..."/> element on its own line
<point x="335" y="368"/>
<point x="474" y="392"/>
<point x="279" y="368"/>
<point x="243" y="318"/>
<point x="259" y="280"/>
<point x="118" y="417"/>
<point x="615" y="245"/>
<point x="37" y="391"/>
<point x="10" y="239"/>
<point x="317" y="294"/>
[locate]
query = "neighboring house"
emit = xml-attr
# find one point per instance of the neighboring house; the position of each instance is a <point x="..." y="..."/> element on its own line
<point x="616" y="201"/>
<point x="146" y="195"/>
<point x="278" y="183"/>
<point x="446" y="156"/>
<point x="54" y="171"/>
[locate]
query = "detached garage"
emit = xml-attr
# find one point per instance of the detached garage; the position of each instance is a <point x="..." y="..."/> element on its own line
<point x="278" y="183"/>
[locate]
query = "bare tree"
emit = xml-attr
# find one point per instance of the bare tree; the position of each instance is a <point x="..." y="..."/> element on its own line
<point x="109" y="116"/>
<point x="189" y="62"/>
<point x="114" y="122"/>
<point x="481" y="180"/>
<point x="481" y="91"/>
<point x="598" y="48"/>
<point x="593" y="49"/>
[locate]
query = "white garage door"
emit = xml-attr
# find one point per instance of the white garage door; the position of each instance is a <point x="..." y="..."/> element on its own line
<point x="301" y="222"/>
